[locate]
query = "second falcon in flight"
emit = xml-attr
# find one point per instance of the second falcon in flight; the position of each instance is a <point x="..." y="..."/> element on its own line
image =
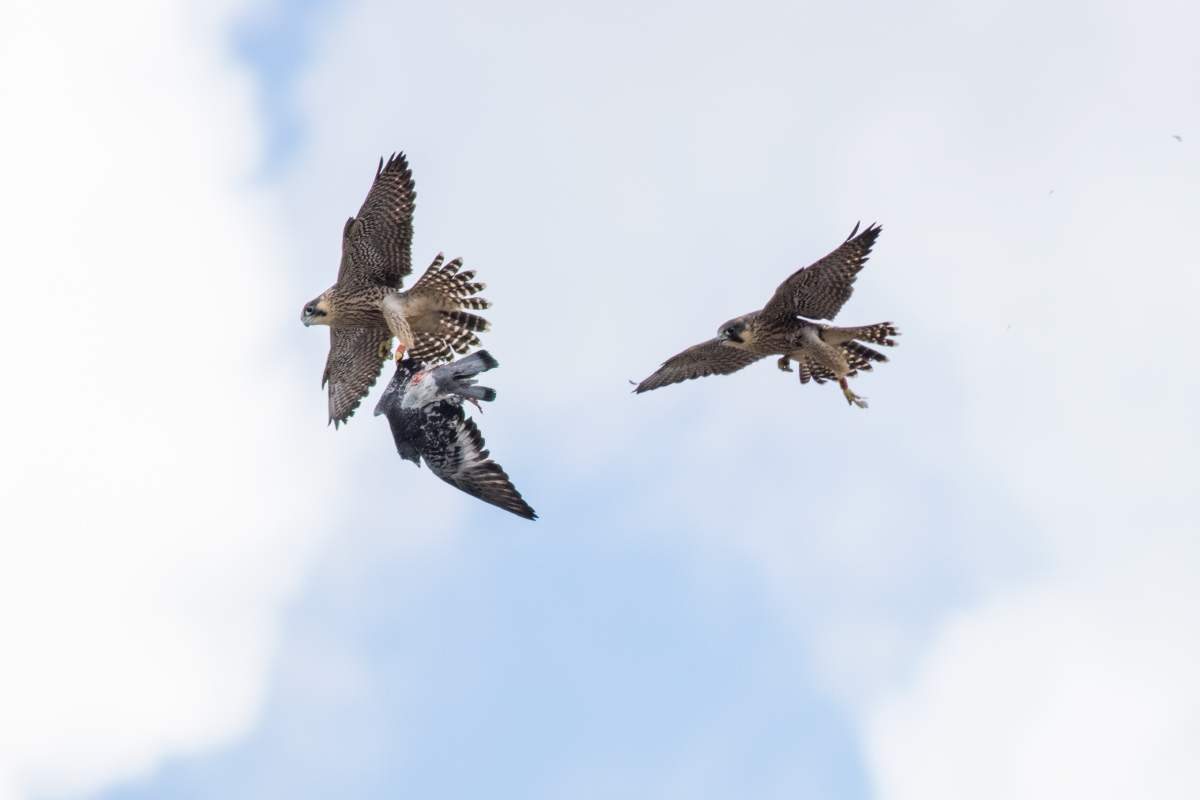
<point x="821" y="352"/>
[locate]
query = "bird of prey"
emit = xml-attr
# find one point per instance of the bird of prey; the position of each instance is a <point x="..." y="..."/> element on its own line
<point x="366" y="308"/>
<point x="822" y="352"/>
<point x="424" y="410"/>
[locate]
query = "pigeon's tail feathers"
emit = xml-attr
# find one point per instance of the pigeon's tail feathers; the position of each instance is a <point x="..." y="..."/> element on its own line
<point x="477" y="362"/>
<point x="484" y="393"/>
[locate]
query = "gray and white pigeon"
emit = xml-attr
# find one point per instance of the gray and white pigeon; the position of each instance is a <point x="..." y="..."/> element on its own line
<point x="424" y="410"/>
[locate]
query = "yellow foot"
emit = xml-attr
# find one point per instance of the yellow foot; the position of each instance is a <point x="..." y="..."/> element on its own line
<point x="851" y="397"/>
<point x="385" y="350"/>
<point x="783" y="363"/>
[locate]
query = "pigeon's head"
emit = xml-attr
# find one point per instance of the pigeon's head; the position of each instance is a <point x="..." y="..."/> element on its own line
<point x="731" y="332"/>
<point x="316" y="312"/>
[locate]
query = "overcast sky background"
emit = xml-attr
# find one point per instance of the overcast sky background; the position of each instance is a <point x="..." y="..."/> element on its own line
<point x="983" y="586"/>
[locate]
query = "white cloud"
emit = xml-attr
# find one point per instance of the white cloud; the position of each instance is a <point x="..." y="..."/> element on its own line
<point x="1037" y="255"/>
<point x="159" y="500"/>
<point x="1052" y="693"/>
<point x="592" y="162"/>
<point x="1044" y="202"/>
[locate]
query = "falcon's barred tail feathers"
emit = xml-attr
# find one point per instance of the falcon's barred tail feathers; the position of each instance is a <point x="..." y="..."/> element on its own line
<point x="447" y="290"/>
<point x="429" y="347"/>
<point x="465" y="321"/>
<point x="457" y="334"/>
<point x="878" y="334"/>
<point x="811" y="372"/>
<point x="448" y="281"/>
<point x="451" y="334"/>
<point x="859" y="356"/>
<point x="456" y="328"/>
<point x="874" y="334"/>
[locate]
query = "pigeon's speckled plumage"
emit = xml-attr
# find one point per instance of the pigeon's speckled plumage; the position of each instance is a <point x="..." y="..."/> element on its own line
<point x="424" y="410"/>
<point x="823" y="352"/>
<point x="366" y="308"/>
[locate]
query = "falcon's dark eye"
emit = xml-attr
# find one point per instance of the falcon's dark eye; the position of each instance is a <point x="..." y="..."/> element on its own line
<point x="310" y="310"/>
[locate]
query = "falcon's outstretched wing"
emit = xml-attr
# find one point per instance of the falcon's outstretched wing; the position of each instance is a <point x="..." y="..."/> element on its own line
<point x="709" y="358"/>
<point x="820" y="290"/>
<point x="464" y="464"/>
<point x="377" y="244"/>
<point x="355" y="358"/>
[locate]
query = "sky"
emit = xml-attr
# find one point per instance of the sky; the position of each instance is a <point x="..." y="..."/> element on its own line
<point x="981" y="586"/>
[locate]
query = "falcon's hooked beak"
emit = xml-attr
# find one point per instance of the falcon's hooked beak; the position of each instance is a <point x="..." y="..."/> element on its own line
<point x="727" y="334"/>
<point x="312" y="313"/>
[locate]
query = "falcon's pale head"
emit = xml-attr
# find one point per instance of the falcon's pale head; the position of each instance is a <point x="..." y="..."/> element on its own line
<point x="732" y="332"/>
<point x="316" y="312"/>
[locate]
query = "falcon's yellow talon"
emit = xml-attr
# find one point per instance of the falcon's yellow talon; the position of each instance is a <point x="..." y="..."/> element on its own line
<point x="851" y="397"/>
<point x="385" y="350"/>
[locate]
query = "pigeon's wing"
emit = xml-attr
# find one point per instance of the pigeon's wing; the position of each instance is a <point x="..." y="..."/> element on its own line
<point x="391" y="403"/>
<point x="454" y="451"/>
<point x="393" y="394"/>
<point x="356" y="356"/>
<point x="709" y="358"/>
<point x="399" y="421"/>
<point x="820" y="290"/>
<point x="377" y="244"/>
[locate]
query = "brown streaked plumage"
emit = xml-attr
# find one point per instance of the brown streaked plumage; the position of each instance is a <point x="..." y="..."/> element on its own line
<point x="823" y="352"/>
<point x="366" y="308"/>
<point x="710" y="358"/>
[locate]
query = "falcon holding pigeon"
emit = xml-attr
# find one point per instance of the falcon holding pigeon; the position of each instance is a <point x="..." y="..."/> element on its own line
<point x="424" y="410"/>
<point x="821" y="352"/>
<point x="366" y="308"/>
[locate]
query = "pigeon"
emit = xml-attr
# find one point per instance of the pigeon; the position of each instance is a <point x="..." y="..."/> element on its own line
<point x="424" y="410"/>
